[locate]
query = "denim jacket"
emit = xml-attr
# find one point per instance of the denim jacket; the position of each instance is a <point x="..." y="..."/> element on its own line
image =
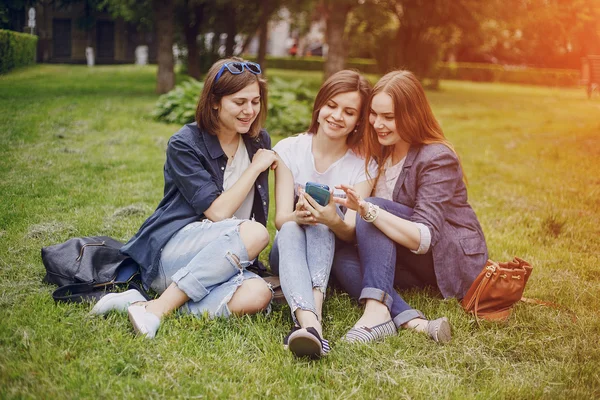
<point x="193" y="172"/>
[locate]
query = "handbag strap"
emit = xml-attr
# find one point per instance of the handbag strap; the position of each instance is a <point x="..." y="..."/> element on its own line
<point x="551" y="304"/>
<point x="491" y="268"/>
<point x="91" y="291"/>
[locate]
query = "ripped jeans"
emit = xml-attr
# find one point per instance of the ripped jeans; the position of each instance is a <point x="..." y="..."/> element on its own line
<point x="302" y="255"/>
<point x="207" y="260"/>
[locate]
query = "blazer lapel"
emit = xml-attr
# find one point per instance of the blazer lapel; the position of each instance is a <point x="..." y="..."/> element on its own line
<point x="410" y="157"/>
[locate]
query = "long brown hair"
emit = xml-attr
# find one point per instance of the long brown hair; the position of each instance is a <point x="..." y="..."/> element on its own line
<point x="344" y="81"/>
<point x="415" y="122"/>
<point x="207" y="112"/>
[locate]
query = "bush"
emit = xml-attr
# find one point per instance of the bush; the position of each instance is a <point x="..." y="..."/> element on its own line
<point x="179" y="105"/>
<point x="16" y="50"/>
<point x="458" y="71"/>
<point x="289" y="105"/>
<point x="314" y="63"/>
<point x="507" y="74"/>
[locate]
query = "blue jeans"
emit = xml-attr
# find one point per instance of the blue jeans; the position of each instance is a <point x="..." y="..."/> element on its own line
<point x="377" y="265"/>
<point x="302" y="255"/>
<point x="207" y="260"/>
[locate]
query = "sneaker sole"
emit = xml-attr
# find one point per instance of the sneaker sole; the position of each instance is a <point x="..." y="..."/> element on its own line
<point x="444" y="333"/>
<point x="304" y="345"/>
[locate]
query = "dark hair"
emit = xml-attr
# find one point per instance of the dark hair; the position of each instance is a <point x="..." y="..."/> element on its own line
<point x="344" y="81"/>
<point x="207" y="112"/>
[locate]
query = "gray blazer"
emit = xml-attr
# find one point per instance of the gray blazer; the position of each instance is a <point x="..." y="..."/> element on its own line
<point x="431" y="184"/>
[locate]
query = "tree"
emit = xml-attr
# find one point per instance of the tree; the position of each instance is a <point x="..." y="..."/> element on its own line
<point x="160" y="15"/>
<point x="192" y="14"/>
<point x="163" y="19"/>
<point x="336" y="15"/>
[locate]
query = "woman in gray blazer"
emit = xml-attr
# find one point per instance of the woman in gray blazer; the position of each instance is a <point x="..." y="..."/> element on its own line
<point x="418" y="230"/>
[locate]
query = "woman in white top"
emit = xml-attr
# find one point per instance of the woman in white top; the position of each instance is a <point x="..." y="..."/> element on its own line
<point x="329" y="153"/>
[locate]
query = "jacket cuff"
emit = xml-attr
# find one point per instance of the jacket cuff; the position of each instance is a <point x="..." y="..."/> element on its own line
<point x="425" y="242"/>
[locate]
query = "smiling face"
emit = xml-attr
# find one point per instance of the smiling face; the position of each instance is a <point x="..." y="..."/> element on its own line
<point x="339" y="115"/>
<point x="238" y="111"/>
<point x="383" y="119"/>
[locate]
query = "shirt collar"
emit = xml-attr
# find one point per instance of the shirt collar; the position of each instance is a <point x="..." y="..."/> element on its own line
<point x="213" y="146"/>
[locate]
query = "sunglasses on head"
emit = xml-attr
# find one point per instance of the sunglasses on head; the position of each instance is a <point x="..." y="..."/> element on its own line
<point x="237" y="67"/>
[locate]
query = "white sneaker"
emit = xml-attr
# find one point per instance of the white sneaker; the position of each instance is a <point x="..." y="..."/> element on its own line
<point x="144" y="322"/>
<point x="117" y="302"/>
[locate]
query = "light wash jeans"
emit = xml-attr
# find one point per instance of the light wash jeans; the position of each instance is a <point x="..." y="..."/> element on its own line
<point x="201" y="260"/>
<point x="302" y="255"/>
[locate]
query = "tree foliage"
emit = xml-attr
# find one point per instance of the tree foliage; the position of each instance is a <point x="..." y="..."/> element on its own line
<point x="416" y="34"/>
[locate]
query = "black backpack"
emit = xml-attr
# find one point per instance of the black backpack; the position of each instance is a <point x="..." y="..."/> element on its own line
<point x="87" y="268"/>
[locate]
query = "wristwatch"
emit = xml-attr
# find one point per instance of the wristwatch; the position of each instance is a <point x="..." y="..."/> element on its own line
<point x="371" y="214"/>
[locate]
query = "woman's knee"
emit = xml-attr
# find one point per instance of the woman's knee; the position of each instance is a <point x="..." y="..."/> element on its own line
<point x="289" y="228"/>
<point x="255" y="237"/>
<point x="252" y="296"/>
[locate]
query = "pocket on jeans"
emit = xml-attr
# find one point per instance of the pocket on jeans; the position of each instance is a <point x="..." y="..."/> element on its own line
<point x="472" y="245"/>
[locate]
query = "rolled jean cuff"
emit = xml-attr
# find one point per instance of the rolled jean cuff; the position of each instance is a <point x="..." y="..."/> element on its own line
<point x="376" y="294"/>
<point x="191" y="286"/>
<point x="406" y="316"/>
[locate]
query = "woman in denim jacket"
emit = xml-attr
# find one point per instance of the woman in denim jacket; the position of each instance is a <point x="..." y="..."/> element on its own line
<point x="210" y="225"/>
<point x="418" y="230"/>
<point x="329" y="153"/>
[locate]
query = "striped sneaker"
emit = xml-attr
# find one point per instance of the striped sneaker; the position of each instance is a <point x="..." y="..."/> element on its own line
<point x="364" y="334"/>
<point x="307" y="343"/>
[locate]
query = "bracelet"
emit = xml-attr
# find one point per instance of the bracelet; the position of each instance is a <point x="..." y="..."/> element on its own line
<point x="371" y="214"/>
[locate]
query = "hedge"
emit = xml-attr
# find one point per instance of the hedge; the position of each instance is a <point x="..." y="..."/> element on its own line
<point x="16" y="50"/>
<point x="314" y="63"/>
<point x="509" y="74"/>
<point x="459" y="71"/>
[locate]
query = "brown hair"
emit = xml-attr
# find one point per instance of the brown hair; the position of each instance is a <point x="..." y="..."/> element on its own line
<point x="344" y="81"/>
<point x="207" y="116"/>
<point x="415" y="122"/>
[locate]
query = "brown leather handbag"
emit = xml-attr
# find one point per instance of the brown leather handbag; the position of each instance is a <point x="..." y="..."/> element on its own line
<point x="497" y="288"/>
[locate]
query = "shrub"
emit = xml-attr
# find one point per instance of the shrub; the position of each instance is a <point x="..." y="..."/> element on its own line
<point x="16" y="50"/>
<point x="289" y="105"/>
<point x="179" y="105"/>
<point x="314" y="63"/>
<point x="509" y="74"/>
<point x="458" y="71"/>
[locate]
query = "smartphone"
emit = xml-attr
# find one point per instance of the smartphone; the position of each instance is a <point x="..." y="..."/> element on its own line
<point x="319" y="192"/>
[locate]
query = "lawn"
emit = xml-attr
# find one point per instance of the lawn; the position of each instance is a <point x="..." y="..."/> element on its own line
<point x="79" y="156"/>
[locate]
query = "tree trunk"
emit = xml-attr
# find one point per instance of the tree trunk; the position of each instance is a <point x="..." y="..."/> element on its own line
<point x="163" y="17"/>
<point x="336" y="55"/>
<point x="231" y="30"/>
<point x="190" y="19"/>
<point x="263" y="35"/>
<point x="193" y="60"/>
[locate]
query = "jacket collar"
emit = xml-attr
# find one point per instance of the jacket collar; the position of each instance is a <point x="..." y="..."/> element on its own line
<point x="410" y="158"/>
<point x="213" y="146"/>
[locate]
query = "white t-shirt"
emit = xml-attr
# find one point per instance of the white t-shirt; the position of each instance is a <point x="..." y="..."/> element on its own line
<point x="387" y="181"/>
<point x="233" y="171"/>
<point x="296" y="153"/>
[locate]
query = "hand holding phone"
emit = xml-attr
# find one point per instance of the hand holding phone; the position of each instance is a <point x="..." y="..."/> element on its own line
<point x="319" y="192"/>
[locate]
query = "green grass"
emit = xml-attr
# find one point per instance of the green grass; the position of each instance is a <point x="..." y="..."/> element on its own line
<point x="80" y="156"/>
